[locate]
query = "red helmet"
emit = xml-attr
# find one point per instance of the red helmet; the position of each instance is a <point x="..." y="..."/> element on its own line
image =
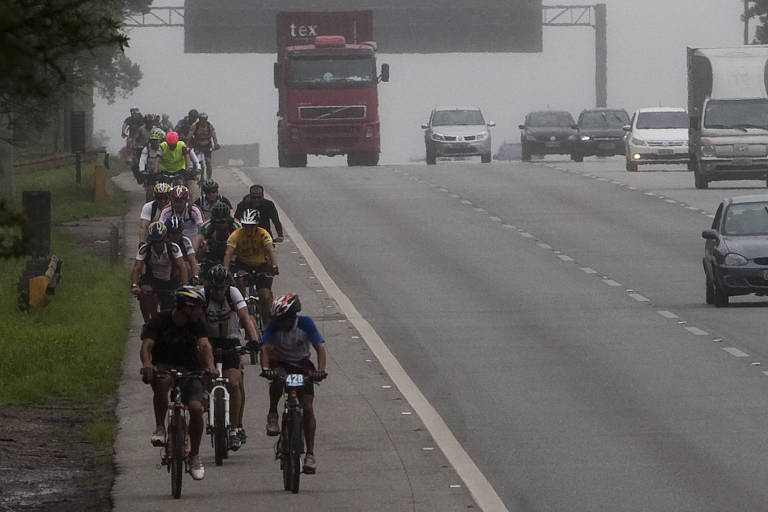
<point x="172" y="138"/>
<point x="179" y="193"/>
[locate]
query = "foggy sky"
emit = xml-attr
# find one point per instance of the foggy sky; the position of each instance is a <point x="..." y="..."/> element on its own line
<point x="646" y="67"/>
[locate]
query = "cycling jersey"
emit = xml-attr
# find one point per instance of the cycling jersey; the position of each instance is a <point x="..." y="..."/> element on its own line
<point x="160" y="265"/>
<point x="150" y="211"/>
<point x="292" y="346"/>
<point x="193" y="218"/>
<point x="174" y="345"/>
<point x="251" y="250"/>
<point x="173" y="160"/>
<point x="206" y="206"/>
<point x="200" y="134"/>
<point x="148" y="156"/>
<point x="222" y="318"/>
<point x="216" y="244"/>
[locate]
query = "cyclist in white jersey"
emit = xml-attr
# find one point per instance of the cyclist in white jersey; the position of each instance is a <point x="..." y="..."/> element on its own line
<point x="150" y="212"/>
<point x="191" y="213"/>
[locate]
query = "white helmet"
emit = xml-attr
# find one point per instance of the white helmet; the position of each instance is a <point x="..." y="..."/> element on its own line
<point x="250" y="217"/>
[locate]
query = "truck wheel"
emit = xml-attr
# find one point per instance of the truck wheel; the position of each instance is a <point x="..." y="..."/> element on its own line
<point x="631" y="166"/>
<point x="486" y="159"/>
<point x="700" y="181"/>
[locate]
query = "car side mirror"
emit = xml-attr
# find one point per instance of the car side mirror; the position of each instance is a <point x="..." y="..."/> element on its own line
<point x="384" y="73"/>
<point x="710" y="234"/>
<point x="424" y="126"/>
<point x="491" y="124"/>
<point x="521" y="126"/>
<point x="627" y="128"/>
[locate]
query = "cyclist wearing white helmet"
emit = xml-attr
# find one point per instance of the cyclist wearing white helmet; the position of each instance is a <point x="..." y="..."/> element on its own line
<point x="286" y="349"/>
<point x="252" y="247"/>
<point x="150" y="212"/>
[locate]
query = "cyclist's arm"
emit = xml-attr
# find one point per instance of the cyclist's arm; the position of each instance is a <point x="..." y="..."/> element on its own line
<point x="143" y="229"/>
<point x="271" y="255"/>
<point x="247" y="322"/>
<point x="198" y="241"/>
<point x="192" y="157"/>
<point x="179" y="262"/>
<point x="205" y="353"/>
<point x="138" y="270"/>
<point x="275" y="218"/>
<point x="320" y="348"/>
<point x="143" y="159"/>
<point x="193" y="264"/>
<point x="228" y="255"/>
<point x="213" y="135"/>
<point x="145" y="353"/>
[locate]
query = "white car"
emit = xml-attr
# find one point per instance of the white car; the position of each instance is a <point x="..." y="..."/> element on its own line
<point x="657" y="135"/>
<point x="457" y="132"/>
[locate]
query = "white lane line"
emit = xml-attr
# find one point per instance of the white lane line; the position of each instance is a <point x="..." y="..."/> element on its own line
<point x="565" y="258"/>
<point x="453" y="195"/>
<point x="525" y="234"/>
<point x="639" y="298"/>
<point x="480" y="210"/>
<point x="735" y="352"/>
<point x="667" y="314"/>
<point x="466" y="201"/>
<point x="494" y="219"/>
<point x="588" y="270"/>
<point x="544" y="246"/>
<point x="509" y="226"/>
<point x="479" y="486"/>
<point x="611" y="282"/>
<point x="696" y="331"/>
<point x="670" y="201"/>
<point x="765" y="373"/>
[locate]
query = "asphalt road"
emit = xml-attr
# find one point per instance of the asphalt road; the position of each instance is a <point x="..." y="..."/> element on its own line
<point x="553" y="315"/>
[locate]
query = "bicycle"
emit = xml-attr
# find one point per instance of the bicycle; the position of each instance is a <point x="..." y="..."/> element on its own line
<point x="176" y="451"/>
<point x="252" y="299"/>
<point x="290" y="441"/>
<point x="218" y="407"/>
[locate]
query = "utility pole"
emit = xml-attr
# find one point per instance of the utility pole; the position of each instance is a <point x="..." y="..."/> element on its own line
<point x="746" y="22"/>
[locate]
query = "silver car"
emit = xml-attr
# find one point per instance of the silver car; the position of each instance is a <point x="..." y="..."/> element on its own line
<point x="457" y="131"/>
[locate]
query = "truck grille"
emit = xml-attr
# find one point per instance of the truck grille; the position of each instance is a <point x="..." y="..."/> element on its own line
<point x="740" y="150"/>
<point x="330" y="134"/>
<point x="337" y="112"/>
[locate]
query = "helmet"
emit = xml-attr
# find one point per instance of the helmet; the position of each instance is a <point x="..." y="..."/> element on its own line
<point x="174" y="224"/>
<point x="250" y="217"/>
<point x="161" y="188"/>
<point x="172" y="138"/>
<point x="156" y="232"/>
<point x="189" y="295"/>
<point x="220" y="210"/>
<point x="287" y="305"/>
<point x="156" y="134"/>
<point x="209" y="185"/>
<point x="192" y="114"/>
<point x="134" y="110"/>
<point x="203" y="116"/>
<point x="149" y="118"/>
<point x="180" y="193"/>
<point x="219" y="275"/>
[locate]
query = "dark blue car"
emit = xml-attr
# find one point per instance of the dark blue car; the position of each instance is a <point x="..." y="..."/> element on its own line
<point x="736" y="249"/>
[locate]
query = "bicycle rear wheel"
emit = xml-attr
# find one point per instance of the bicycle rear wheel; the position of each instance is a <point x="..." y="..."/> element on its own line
<point x="219" y="428"/>
<point x="177" y="431"/>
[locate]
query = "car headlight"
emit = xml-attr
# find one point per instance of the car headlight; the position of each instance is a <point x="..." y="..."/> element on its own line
<point x="638" y="142"/>
<point x="437" y="136"/>
<point x="481" y="136"/>
<point x="707" y="148"/>
<point x="571" y="137"/>
<point x="530" y="138"/>
<point x="585" y="137"/>
<point x="735" y="259"/>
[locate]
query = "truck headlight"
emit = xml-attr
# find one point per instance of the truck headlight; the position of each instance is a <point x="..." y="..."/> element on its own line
<point x="735" y="259"/>
<point x="368" y="132"/>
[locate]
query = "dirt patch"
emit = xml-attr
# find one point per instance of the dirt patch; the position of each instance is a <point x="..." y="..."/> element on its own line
<point x="48" y="462"/>
<point x="94" y="234"/>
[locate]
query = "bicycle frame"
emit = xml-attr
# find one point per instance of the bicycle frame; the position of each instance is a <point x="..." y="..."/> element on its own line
<point x="220" y="383"/>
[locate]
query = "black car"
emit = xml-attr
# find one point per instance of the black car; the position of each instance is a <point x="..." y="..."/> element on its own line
<point x="601" y="133"/>
<point x="547" y="132"/>
<point x="736" y="249"/>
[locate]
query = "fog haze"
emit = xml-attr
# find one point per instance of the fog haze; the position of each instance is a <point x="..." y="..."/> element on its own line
<point x="646" y="67"/>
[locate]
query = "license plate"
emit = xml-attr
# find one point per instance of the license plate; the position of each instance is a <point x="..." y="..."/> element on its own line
<point x="666" y="151"/>
<point x="605" y="145"/>
<point x="551" y="144"/>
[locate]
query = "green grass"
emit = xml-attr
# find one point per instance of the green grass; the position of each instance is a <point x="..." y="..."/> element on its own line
<point x="71" y="349"/>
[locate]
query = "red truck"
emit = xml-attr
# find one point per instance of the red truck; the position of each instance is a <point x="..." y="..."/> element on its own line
<point x="327" y="81"/>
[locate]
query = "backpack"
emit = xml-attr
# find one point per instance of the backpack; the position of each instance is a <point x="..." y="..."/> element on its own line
<point x="148" y="259"/>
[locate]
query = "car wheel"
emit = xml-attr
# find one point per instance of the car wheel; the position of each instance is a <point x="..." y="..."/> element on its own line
<point x="631" y="166"/>
<point x="526" y="156"/>
<point x="719" y="296"/>
<point x="577" y="158"/>
<point x="710" y="291"/>
<point x="431" y="157"/>
<point x="486" y="159"/>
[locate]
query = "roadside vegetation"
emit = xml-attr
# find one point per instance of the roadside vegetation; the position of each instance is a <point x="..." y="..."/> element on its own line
<point x="69" y="351"/>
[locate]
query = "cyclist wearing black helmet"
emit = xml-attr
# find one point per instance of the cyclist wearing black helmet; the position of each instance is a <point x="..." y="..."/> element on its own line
<point x="211" y="239"/>
<point x="177" y="339"/>
<point x="210" y="196"/>
<point x="183" y="126"/>
<point x="285" y="349"/>
<point x="226" y="311"/>
<point x="202" y="137"/>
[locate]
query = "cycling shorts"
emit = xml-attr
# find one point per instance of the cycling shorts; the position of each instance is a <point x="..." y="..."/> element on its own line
<point x="192" y="388"/>
<point x="230" y="360"/>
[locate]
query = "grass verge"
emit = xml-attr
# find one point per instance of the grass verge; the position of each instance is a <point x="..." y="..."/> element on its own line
<point x="70" y="350"/>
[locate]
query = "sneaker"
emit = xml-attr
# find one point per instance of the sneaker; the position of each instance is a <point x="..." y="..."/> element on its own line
<point x="158" y="436"/>
<point x="234" y="439"/>
<point x="241" y="433"/>
<point x="309" y="464"/>
<point x="273" y="428"/>
<point x="196" y="468"/>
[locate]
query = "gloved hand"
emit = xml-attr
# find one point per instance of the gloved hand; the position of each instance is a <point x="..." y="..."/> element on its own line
<point x="252" y="346"/>
<point x="195" y="281"/>
<point x="216" y="146"/>
<point x="275" y="270"/>
<point x="317" y="375"/>
<point x="268" y="373"/>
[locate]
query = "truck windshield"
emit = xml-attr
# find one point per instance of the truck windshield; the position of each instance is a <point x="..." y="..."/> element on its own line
<point x="748" y="113"/>
<point x="457" y="117"/>
<point x="661" y="120"/>
<point x="550" y="119"/>
<point x="327" y="71"/>
<point x="604" y="119"/>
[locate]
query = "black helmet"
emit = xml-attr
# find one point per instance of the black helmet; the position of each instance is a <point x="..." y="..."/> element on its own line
<point x="192" y="114"/>
<point x="219" y="275"/>
<point x="287" y="305"/>
<point x="220" y="210"/>
<point x="209" y="185"/>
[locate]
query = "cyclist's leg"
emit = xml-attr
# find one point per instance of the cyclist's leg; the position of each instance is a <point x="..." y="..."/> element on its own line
<point x="160" y="386"/>
<point x="310" y="424"/>
<point x="208" y="164"/>
<point x="236" y="396"/>
<point x="192" y="394"/>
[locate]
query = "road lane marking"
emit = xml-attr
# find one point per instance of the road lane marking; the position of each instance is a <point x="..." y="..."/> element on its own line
<point x="696" y="331"/>
<point x="494" y="219"/>
<point x="611" y="282"/>
<point x="588" y="270"/>
<point x="667" y="314"/>
<point x="565" y="257"/>
<point x="479" y="486"/>
<point x="735" y="352"/>
<point x="544" y="246"/>
<point x="639" y="298"/>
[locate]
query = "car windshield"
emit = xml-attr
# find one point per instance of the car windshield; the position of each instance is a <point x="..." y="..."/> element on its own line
<point x="550" y="119"/>
<point x="746" y="219"/>
<point x="457" y="117"/>
<point x="329" y="71"/>
<point x="604" y="119"/>
<point x="661" y="120"/>
<point x="736" y="114"/>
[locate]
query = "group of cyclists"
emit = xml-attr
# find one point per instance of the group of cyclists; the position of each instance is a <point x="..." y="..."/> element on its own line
<point x="195" y="262"/>
<point x="156" y="150"/>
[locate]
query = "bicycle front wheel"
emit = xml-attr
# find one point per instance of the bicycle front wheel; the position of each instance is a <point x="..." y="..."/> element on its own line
<point x="219" y="428"/>
<point x="178" y="432"/>
<point x="292" y="453"/>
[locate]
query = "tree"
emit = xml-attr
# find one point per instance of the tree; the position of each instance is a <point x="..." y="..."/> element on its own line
<point x="759" y="9"/>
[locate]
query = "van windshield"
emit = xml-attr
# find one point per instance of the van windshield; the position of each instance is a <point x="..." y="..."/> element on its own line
<point x="661" y="120"/>
<point x="752" y="113"/>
